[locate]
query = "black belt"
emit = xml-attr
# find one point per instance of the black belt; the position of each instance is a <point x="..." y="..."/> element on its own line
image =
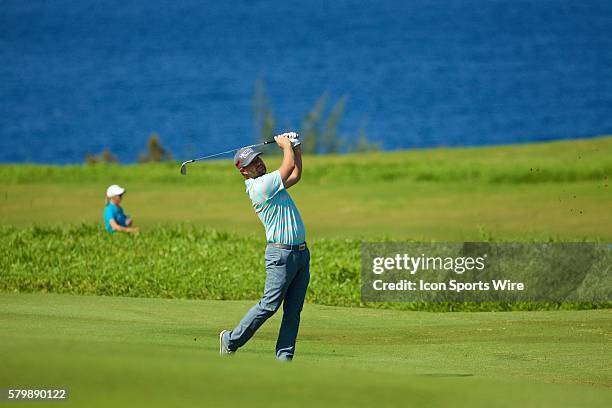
<point x="298" y="247"/>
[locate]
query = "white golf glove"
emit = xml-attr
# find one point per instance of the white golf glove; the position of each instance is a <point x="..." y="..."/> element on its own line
<point x="294" y="138"/>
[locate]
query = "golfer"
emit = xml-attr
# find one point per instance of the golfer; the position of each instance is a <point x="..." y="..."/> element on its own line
<point x="287" y="257"/>
<point x="114" y="217"/>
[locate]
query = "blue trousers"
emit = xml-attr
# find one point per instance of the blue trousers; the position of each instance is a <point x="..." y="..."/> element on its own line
<point x="287" y="277"/>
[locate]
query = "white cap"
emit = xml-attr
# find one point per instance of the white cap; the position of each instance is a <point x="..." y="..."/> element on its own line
<point x="114" y="190"/>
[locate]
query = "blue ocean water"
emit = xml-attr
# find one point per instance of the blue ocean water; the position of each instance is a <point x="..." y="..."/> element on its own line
<point x="80" y="75"/>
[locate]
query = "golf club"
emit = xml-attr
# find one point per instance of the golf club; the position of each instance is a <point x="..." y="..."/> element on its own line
<point x="184" y="165"/>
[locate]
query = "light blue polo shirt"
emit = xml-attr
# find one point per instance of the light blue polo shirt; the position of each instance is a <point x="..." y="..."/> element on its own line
<point x="113" y="212"/>
<point x="276" y="209"/>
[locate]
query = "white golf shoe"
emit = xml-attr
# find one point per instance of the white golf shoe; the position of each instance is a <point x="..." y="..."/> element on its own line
<point x="223" y="350"/>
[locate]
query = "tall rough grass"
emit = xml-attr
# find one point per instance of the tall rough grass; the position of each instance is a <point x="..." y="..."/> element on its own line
<point x="186" y="262"/>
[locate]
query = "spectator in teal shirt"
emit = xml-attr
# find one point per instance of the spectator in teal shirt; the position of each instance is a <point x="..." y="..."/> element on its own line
<point x="114" y="217"/>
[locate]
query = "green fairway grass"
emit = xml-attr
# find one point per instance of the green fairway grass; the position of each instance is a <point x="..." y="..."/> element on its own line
<point x="558" y="189"/>
<point x="199" y="259"/>
<point x="111" y="351"/>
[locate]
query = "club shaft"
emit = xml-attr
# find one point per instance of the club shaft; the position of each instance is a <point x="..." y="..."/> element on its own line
<point x="231" y="150"/>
